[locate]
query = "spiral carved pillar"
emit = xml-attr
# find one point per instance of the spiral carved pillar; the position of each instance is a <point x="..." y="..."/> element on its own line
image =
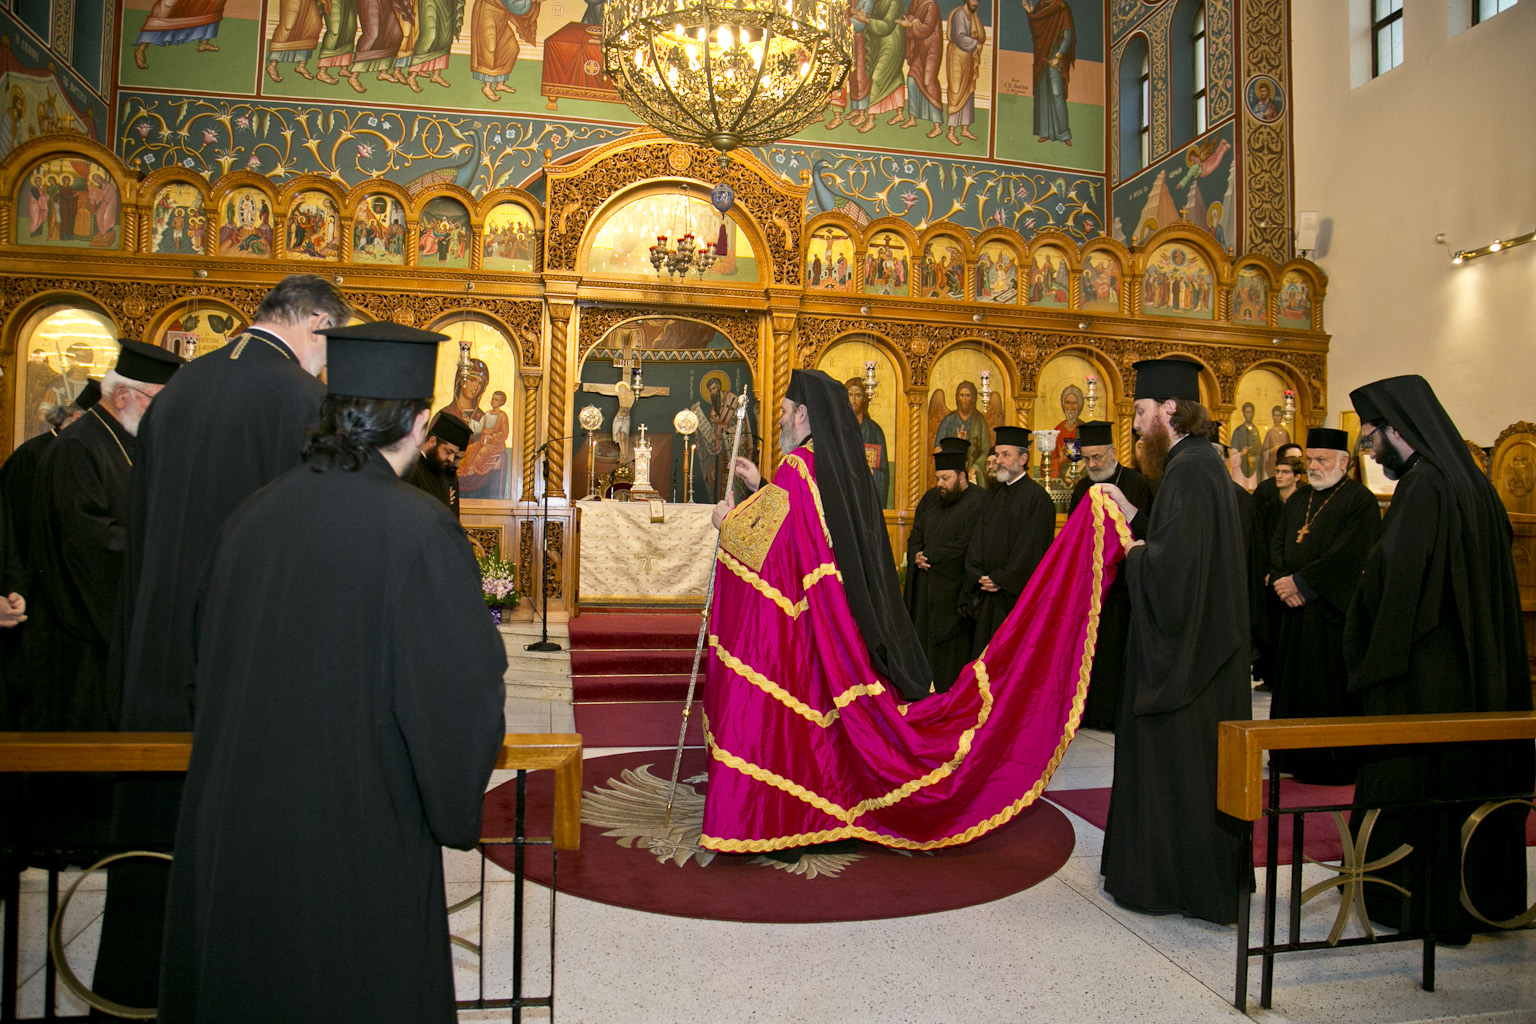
<point x="530" y="435"/>
<point x="783" y="362"/>
<point x="559" y="333"/>
<point x="919" y="464"/>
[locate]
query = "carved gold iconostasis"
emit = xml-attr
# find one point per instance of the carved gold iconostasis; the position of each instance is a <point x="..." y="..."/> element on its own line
<point x="536" y="288"/>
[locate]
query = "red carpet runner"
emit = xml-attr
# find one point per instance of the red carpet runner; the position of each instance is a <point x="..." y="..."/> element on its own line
<point x="629" y="677"/>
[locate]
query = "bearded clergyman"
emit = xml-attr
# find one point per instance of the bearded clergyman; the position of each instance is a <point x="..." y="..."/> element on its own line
<point x="936" y="569"/>
<point x="1315" y="559"/>
<point x="1101" y="460"/>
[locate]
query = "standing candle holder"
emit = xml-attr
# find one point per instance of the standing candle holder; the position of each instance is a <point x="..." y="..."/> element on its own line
<point x="685" y="423"/>
<point x="591" y="419"/>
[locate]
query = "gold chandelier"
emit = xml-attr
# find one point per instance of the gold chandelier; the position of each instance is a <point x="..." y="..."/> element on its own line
<point x="726" y="73"/>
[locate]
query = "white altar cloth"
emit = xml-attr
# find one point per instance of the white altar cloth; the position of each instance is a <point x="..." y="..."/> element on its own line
<point x="627" y="559"/>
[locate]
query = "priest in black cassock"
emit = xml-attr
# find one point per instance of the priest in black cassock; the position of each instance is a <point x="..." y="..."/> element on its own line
<point x="1264" y="608"/>
<point x="232" y="422"/>
<point x="936" y="553"/>
<point x="336" y="752"/>
<point x="436" y="467"/>
<point x="1435" y="627"/>
<point x="77" y="537"/>
<point x="1167" y="848"/>
<point x="1316" y="556"/>
<point x="1097" y="441"/>
<point x="1015" y="528"/>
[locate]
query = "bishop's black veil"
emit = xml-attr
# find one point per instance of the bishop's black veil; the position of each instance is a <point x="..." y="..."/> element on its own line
<point x="859" y="540"/>
<point x="1478" y="541"/>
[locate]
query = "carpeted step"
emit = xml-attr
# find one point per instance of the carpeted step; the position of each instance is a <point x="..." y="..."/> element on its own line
<point x="631" y="662"/>
<point x="585" y="689"/>
<point x="616" y="631"/>
<point x="637" y="724"/>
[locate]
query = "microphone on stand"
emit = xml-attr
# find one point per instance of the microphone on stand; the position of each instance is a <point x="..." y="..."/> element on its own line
<point x="545" y="644"/>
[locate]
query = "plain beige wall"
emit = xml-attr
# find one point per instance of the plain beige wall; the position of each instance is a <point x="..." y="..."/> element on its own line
<point x="1446" y="142"/>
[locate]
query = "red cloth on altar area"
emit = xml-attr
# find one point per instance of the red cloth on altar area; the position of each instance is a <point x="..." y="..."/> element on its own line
<point x="808" y="744"/>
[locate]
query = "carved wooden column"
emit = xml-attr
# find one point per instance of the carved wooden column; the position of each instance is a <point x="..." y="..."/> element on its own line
<point x="1125" y="438"/>
<point x="918" y="463"/>
<point x="559" y="359"/>
<point x="782" y="361"/>
<point x="531" y="381"/>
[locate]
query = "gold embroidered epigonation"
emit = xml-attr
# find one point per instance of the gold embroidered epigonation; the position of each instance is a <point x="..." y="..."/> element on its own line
<point x="751" y="528"/>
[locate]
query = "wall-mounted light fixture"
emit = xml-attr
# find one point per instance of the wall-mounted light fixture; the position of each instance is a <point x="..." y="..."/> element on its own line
<point x="1460" y="256"/>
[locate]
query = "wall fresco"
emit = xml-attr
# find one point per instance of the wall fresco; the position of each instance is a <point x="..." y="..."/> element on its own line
<point x="1197" y="183"/>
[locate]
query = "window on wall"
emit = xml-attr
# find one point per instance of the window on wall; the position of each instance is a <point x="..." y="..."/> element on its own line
<point x="1144" y="113"/>
<point x="1482" y="10"/>
<point x="1134" y="107"/>
<point x="1197" y="53"/>
<point x="1387" y="35"/>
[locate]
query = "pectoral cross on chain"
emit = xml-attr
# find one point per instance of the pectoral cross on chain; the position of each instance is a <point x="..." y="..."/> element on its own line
<point x="1302" y="533"/>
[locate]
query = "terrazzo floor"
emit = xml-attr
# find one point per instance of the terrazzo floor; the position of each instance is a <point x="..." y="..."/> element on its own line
<point x="1060" y="951"/>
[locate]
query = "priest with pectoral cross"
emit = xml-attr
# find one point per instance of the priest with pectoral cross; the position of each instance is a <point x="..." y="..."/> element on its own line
<point x="1316" y="557"/>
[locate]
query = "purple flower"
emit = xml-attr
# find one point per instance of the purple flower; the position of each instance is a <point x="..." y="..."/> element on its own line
<point x="254" y="163"/>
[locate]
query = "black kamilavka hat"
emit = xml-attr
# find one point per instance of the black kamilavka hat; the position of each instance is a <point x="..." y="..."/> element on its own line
<point x="1162" y="379"/>
<point x="146" y="364"/>
<point x="1328" y="437"/>
<point x="1095" y="432"/>
<point x="949" y="460"/>
<point x="452" y="430"/>
<point x="955" y="444"/>
<point x="1018" y="437"/>
<point x="383" y="360"/>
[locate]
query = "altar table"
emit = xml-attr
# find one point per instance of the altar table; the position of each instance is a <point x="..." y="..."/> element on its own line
<point x="624" y="558"/>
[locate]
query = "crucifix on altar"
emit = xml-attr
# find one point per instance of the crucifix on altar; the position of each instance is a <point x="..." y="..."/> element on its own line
<point x="628" y="389"/>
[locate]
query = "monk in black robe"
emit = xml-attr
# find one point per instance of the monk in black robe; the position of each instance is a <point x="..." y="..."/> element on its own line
<point x="1166" y="846"/>
<point x="436" y="467"/>
<point x="231" y="425"/>
<point x="1102" y="708"/>
<point x="1435" y="627"/>
<point x="936" y="553"/>
<point x="1016" y="527"/>
<point x="1316" y="558"/>
<point x="335" y="751"/>
<point x="77" y="556"/>
<point x="1264" y="609"/>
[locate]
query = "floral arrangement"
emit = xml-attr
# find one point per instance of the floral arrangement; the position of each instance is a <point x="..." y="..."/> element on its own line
<point x="498" y="582"/>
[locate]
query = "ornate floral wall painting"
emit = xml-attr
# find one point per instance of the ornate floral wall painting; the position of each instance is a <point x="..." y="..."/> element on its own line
<point x="65" y="347"/>
<point x="443" y="236"/>
<point x="314" y="227"/>
<point x="485" y="397"/>
<point x="1295" y="305"/>
<point x="1179" y="283"/>
<point x="1049" y="279"/>
<point x="379" y="231"/>
<point x="1250" y="296"/>
<point x="829" y="261"/>
<point x="67" y="201"/>
<point x="1101" y="281"/>
<point x="509" y="240"/>
<point x="943" y="270"/>
<point x="178" y="224"/>
<point x="887" y="268"/>
<point x="245" y="223"/>
<point x="997" y="274"/>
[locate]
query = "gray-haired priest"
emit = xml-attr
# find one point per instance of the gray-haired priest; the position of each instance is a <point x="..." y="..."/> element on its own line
<point x="332" y="756"/>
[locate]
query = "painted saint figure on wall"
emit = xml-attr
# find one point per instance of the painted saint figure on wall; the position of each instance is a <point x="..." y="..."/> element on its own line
<point x="1055" y="52"/>
<point x="174" y="22"/>
<point x="967" y="422"/>
<point x="962" y="65"/>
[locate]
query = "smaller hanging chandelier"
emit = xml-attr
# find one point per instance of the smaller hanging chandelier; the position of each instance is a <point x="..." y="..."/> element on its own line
<point x="1093" y="395"/>
<point x="985" y="398"/>
<point x="870" y="383"/>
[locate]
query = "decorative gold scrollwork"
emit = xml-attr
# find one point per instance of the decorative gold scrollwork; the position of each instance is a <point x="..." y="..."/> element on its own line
<point x="1352" y="872"/>
<point x="1469" y="827"/>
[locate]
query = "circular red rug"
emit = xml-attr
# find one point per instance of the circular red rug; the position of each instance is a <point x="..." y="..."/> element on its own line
<point x="628" y="859"/>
